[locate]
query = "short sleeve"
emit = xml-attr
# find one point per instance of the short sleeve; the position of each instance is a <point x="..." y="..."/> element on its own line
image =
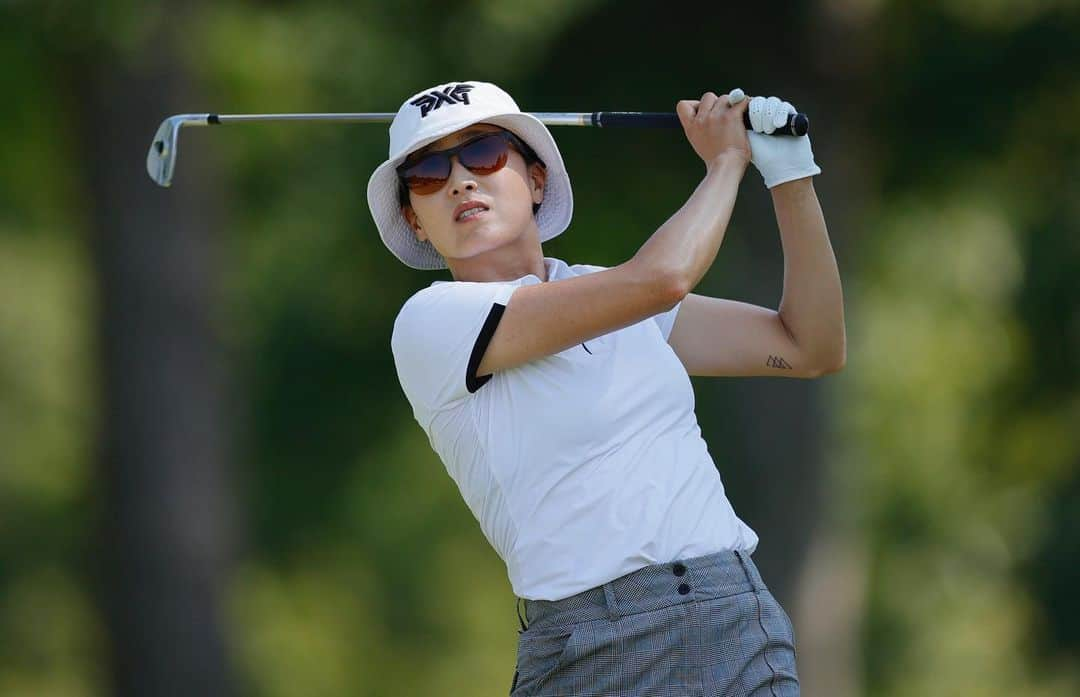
<point x="440" y="336"/>
<point x="664" y="320"/>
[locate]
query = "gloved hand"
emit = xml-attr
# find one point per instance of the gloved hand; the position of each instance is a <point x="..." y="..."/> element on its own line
<point x="779" y="159"/>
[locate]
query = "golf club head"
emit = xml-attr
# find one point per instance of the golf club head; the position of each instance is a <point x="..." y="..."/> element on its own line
<point x="161" y="160"/>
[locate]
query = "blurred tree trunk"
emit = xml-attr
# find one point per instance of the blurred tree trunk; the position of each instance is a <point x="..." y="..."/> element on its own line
<point x="166" y="515"/>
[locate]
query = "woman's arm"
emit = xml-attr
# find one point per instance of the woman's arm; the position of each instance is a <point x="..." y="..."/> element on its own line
<point x="686" y="245"/>
<point x="805" y="339"/>
<point x="812" y="306"/>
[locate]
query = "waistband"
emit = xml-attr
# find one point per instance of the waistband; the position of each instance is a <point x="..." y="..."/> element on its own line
<point x="650" y="588"/>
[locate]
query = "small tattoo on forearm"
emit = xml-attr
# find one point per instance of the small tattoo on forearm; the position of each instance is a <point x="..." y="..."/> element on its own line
<point x="778" y="362"/>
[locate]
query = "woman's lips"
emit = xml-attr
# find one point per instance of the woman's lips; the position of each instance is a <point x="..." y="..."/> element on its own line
<point x="473" y="216"/>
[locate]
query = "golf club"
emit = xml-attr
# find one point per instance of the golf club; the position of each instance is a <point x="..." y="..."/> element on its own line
<point x="161" y="159"/>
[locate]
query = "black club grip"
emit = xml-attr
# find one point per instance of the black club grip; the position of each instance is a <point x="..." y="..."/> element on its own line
<point x="798" y="124"/>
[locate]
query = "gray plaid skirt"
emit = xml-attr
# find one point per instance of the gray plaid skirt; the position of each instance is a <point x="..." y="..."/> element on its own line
<point x="694" y="627"/>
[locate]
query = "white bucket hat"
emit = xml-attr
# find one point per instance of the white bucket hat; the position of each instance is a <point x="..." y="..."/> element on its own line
<point x="438" y="111"/>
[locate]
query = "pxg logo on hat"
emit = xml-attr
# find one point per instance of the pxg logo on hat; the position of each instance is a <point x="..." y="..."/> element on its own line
<point x="436" y="98"/>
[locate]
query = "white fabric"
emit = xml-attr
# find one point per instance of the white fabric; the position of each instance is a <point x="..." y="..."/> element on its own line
<point x="438" y="111"/>
<point x="581" y="466"/>
<point x="778" y="158"/>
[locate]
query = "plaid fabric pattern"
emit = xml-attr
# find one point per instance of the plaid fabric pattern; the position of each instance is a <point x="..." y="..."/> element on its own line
<point x="694" y="627"/>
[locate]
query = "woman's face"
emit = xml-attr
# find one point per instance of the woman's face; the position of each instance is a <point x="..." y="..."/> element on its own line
<point x="509" y="195"/>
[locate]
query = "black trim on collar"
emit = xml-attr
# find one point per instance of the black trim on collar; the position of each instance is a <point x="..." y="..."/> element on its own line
<point x="473" y="383"/>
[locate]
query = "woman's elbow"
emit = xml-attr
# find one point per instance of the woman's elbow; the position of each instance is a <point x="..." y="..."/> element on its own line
<point x="833" y="366"/>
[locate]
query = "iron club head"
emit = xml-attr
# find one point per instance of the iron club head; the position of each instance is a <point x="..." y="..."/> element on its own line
<point x="161" y="159"/>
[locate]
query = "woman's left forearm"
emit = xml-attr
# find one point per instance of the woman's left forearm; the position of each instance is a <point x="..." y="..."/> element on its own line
<point x="812" y="306"/>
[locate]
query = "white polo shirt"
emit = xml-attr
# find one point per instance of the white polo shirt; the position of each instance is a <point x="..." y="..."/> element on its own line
<point x="581" y="466"/>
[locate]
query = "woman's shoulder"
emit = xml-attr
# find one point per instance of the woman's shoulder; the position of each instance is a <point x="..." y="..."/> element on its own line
<point x="453" y="296"/>
<point x="439" y="291"/>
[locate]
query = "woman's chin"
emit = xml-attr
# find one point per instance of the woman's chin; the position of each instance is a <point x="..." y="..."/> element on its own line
<point x="481" y="241"/>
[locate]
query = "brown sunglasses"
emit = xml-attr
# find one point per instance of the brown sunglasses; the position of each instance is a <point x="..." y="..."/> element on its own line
<point x="485" y="154"/>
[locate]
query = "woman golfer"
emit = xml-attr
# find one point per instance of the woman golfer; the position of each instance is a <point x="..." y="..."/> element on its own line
<point x="558" y="395"/>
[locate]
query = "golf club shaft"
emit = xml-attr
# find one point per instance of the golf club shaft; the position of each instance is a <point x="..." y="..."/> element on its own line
<point x="798" y="124"/>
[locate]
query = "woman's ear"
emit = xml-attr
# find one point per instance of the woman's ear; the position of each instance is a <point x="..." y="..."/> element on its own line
<point x="538" y="177"/>
<point x="414" y="222"/>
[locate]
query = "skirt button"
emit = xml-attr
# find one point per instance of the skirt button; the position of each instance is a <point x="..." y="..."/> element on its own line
<point x="683" y="589"/>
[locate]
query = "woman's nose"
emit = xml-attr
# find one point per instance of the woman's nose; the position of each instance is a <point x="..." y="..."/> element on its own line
<point x="460" y="177"/>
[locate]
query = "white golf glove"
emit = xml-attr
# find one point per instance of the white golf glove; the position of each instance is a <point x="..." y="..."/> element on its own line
<point x="779" y="159"/>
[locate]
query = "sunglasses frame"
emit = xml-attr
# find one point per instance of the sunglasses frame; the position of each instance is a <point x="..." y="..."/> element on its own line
<point x="511" y="139"/>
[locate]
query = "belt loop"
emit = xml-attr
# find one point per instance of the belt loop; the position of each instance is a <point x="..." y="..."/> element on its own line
<point x="516" y="607"/>
<point x="612" y="604"/>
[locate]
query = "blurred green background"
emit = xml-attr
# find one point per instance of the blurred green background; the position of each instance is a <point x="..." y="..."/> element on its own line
<point x="211" y="482"/>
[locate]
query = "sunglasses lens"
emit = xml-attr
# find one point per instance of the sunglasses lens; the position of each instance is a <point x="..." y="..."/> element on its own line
<point x="485" y="155"/>
<point x="427" y="175"/>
